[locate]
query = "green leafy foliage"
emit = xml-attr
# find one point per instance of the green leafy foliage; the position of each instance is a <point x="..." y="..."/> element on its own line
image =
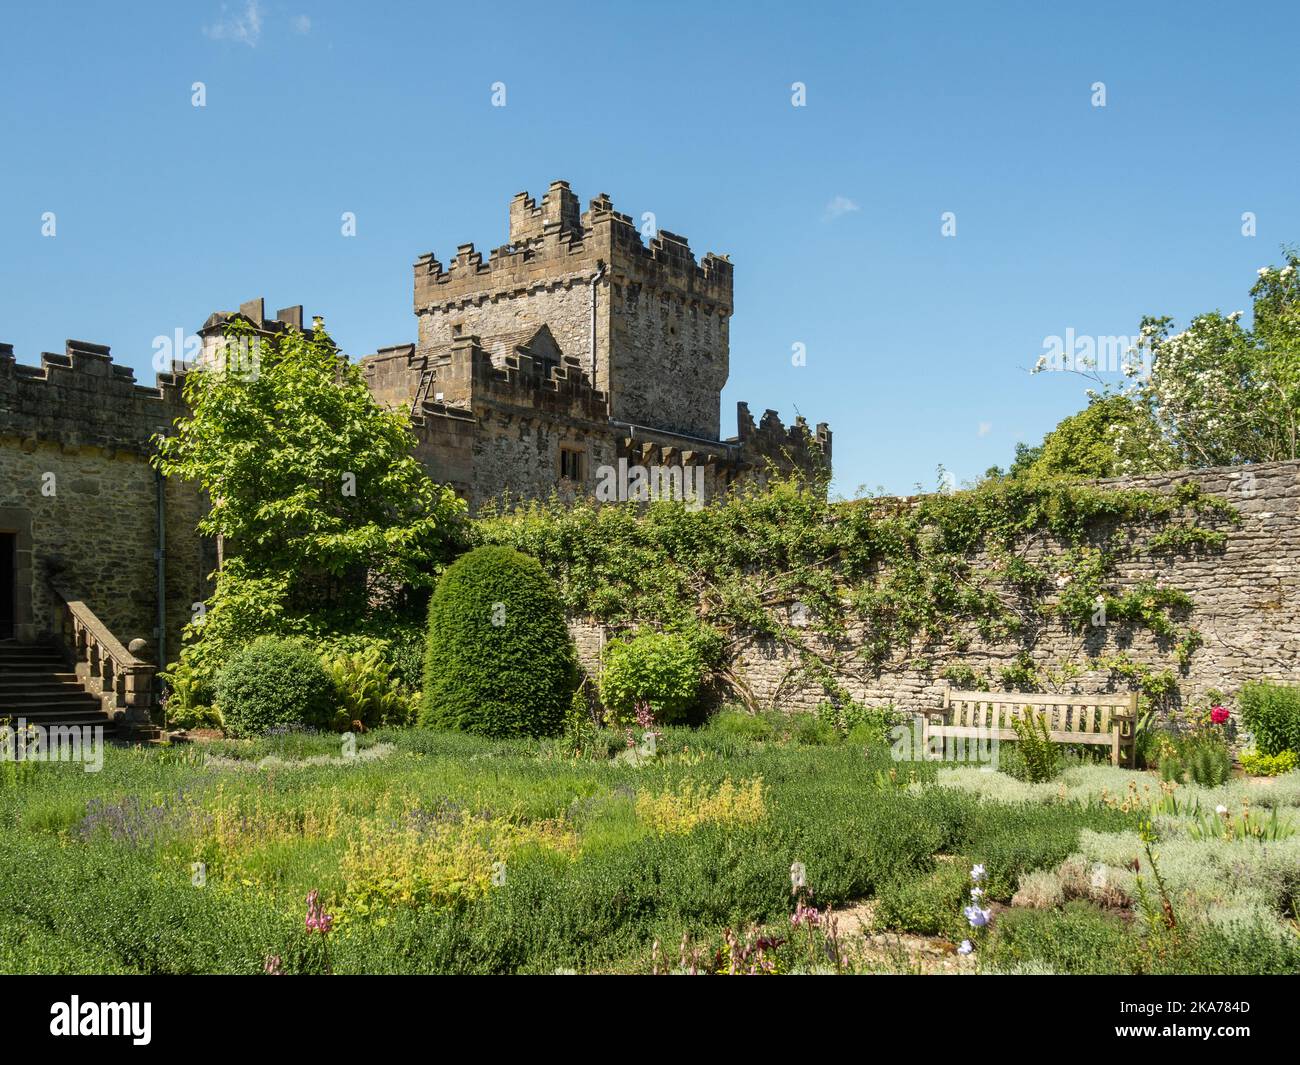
<point x="783" y="562"/>
<point x="1113" y="436"/>
<point x="1256" y="764"/>
<point x="1272" y="713"/>
<point x="274" y="683"/>
<point x="314" y="490"/>
<point x="1036" y="758"/>
<point x="1218" y="392"/>
<point x="366" y="691"/>
<point x="664" y="669"/>
<point x="500" y="660"/>
<point x="1199" y="758"/>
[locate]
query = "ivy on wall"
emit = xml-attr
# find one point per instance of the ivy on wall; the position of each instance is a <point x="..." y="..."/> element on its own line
<point x="884" y="582"/>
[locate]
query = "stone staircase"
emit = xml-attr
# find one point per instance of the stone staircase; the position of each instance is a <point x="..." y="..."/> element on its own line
<point x="37" y="685"/>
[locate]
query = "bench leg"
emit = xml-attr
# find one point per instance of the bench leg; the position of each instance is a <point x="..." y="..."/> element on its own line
<point x="1114" y="748"/>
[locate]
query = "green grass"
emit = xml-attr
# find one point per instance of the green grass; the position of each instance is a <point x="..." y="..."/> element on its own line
<point x="96" y="869"/>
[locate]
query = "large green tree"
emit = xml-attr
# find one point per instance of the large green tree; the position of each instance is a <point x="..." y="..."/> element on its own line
<point x="1114" y="435"/>
<point x="1220" y="392"/>
<point x="321" y="508"/>
<point x="1225" y="392"/>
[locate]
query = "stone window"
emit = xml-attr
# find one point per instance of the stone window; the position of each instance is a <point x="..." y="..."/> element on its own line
<point x="571" y="464"/>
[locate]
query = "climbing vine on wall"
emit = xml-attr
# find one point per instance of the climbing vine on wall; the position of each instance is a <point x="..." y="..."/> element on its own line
<point x="881" y="581"/>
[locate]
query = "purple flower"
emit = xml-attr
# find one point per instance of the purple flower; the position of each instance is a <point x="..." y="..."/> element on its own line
<point x="978" y="918"/>
<point x="966" y="947"/>
<point x="977" y="873"/>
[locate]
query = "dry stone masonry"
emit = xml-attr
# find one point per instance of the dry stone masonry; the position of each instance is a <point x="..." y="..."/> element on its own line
<point x="1247" y="609"/>
<point x="574" y="347"/>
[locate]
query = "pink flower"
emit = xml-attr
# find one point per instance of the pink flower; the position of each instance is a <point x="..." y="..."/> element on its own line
<point x="1218" y="715"/>
<point x="317" y="919"/>
<point x="805" y="915"/>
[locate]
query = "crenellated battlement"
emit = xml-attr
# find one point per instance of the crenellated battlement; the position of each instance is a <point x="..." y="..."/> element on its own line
<point x="552" y="245"/>
<point x="769" y="442"/>
<point x="81" y="398"/>
<point x="524" y="370"/>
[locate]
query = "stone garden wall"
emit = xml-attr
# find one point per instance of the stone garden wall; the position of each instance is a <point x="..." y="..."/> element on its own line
<point x="1246" y="607"/>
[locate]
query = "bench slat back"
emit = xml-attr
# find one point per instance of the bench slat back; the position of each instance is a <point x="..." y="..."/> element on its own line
<point x="1062" y="713"/>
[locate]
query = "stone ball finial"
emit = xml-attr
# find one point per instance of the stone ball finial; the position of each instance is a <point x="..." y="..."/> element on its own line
<point x="138" y="647"/>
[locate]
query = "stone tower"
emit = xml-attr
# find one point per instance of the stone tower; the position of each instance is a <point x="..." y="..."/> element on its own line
<point x="648" y="325"/>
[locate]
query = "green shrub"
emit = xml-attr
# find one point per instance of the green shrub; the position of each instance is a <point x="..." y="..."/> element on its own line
<point x="1269" y="765"/>
<point x="400" y="640"/>
<point x="365" y="691"/>
<point x="1272" y="713"/>
<point x="500" y="661"/>
<point x="187" y="701"/>
<point x="741" y="725"/>
<point x="862" y="724"/>
<point x="274" y="683"/>
<point x="664" y="669"/>
<point x="1079" y="938"/>
<point x="1036" y="758"/>
<point x="929" y="905"/>
<point x="813" y="731"/>
<point x="1200" y="758"/>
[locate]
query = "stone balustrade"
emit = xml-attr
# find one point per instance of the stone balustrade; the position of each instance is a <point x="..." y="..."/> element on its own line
<point x="122" y="680"/>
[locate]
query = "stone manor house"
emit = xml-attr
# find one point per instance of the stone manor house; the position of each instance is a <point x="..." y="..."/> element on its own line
<point x="575" y="348"/>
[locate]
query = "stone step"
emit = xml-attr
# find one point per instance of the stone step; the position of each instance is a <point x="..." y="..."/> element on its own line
<point x="87" y="704"/>
<point x="42" y="669"/>
<point x="41" y="681"/>
<point x="73" y="721"/>
<point x="38" y="693"/>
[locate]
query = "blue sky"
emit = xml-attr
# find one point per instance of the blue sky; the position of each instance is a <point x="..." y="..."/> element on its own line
<point x="1068" y="216"/>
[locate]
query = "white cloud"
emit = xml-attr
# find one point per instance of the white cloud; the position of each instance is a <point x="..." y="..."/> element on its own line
<point x="985" y="428"/>
<point x="302" y="24"/>
<point x="839" y="206"/>
<point x="244" y="27"/>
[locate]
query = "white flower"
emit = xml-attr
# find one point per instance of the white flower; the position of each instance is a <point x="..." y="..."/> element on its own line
<point x="1220" y="810"/>
<point x="1263" y="270"/>
<point x="977" y="873"/>
<point x="966" y="947"/>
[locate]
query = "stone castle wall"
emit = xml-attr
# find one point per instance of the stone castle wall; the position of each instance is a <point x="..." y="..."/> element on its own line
<point x="661" y="350"/>
<point x="77" y="485"/>
<point x="1247" y="608"/>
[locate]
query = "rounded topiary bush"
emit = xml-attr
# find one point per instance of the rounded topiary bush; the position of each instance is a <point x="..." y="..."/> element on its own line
<point x="273" y="683"/>
<point x="499" y="661"/>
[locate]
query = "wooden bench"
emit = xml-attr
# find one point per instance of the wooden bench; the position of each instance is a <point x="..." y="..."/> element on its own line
<point x="1095" y="720"/>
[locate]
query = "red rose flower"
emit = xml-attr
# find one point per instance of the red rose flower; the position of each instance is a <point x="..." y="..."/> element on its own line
<point x="1218" y="715"/>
